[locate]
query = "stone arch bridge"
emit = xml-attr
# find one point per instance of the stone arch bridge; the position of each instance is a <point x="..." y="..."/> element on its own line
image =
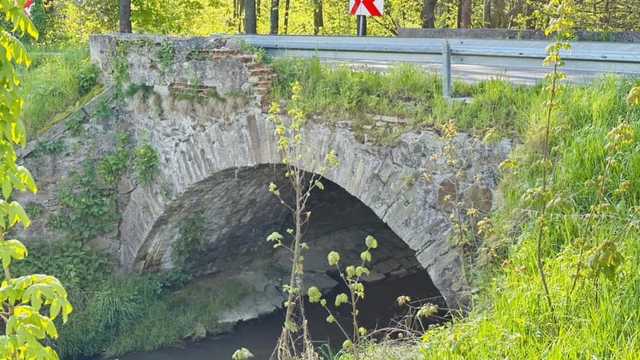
<point x="201" y="105"/>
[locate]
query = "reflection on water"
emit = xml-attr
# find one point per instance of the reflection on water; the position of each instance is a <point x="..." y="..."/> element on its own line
<point x="260" y="335"/>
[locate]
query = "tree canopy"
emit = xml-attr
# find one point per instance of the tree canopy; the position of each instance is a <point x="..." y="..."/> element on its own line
<point x="69" y="20"/>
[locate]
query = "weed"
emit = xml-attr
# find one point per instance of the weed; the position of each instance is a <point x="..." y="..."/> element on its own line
<point x="88" y="209"/>
<point x="592" y="208"/>
<point x="52" y="147"/>
<point x="260" y="53"/>
<point x="34" y="210"/>
<point x="104" y="110"/>
<point x="190" y="244"/>
<point x="146" y="164"/>
<point x="113" y="166"/>
<point x="87" y="78"/>
<point x="133" y="89"/>
<point x="165" y="55"/>
<point x="352" y="278"/>
<point x="407" y="92"/>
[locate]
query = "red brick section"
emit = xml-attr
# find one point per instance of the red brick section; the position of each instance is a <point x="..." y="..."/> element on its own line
<point x="261" y="76"/>
<point x="190" y="88"/>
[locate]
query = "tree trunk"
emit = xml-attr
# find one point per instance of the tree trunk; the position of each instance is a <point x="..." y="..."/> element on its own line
<point x="287" y="7"/>
<point x="488" y="23"/>
<point x="275" y="17"/>
<point x="528" y="13"/>
<point x="250" y="16"/>
<point x="607" y="11"/>
<point x="429" y="14"/>
<point x="318" y="18"/>
<point x="498" y="13"/>
<point x="466" y="8"/>
<point x="125" y="16"/>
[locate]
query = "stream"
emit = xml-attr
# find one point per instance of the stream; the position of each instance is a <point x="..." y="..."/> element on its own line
<point x="260" y="335"/>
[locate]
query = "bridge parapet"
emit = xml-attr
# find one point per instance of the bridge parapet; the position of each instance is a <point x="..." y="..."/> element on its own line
<point x="200" y="67"/>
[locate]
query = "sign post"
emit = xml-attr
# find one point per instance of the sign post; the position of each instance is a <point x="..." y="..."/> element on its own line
<point x="362" y="25"/>
<point x="363" y="8"/>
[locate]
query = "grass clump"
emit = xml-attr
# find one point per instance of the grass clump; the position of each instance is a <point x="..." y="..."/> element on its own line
<point x="407" y="92"/>
<point x="56" y="81"/>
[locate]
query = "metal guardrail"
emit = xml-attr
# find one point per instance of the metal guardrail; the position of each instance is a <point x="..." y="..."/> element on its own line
<point x="588" y="57"/>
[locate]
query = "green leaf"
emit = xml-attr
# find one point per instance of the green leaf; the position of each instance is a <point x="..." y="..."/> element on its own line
<point x="347" y="344"/>
<point x="371" y="242"/>
<point x="331" y="319"/>
<point x="633" y="98"/>
<point x="365" y="256"/>
<point x="242" y="354"/>
<point x="333" y="258"/>
<point x="362" y="271"/>
<point x="7" y="188"/>
<point x="341" y="298"/>
<point x="275" y="237"/>
<point x="17" y="214"/>
<point x="314" y="295"/>
<point x="10" y="250"/>
<point x="55" y="309"/>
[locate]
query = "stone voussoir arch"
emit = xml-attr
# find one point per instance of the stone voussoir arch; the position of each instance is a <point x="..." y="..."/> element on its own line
<point x="207" y="144"/>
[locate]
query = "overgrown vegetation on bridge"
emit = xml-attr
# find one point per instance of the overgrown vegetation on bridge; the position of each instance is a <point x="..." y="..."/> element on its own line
<point x="408" y="94"/>
<point x="589" y="238"/>
<point x="594" y="147"/>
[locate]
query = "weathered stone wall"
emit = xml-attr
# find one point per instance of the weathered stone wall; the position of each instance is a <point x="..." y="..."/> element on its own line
<point x="201" y="108"/>
<point x="58" y="158"/>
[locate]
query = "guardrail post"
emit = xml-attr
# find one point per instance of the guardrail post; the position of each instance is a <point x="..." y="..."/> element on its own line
<point x="446" y="70"/>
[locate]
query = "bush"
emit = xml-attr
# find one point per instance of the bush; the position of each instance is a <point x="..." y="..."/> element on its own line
<point x="88" y="208"/>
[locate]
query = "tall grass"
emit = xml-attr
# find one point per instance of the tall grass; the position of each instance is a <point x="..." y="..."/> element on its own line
<point x="339" y="93"/>
<point x="57" y="80"/>
<point x="601" y="317"/>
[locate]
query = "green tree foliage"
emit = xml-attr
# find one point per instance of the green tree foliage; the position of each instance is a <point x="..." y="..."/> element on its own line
<point x="70" y="20"/>
<point x="30" y="303"/>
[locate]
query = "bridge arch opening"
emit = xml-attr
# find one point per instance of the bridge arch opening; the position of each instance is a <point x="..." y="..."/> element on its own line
<point x="227" y="217"/>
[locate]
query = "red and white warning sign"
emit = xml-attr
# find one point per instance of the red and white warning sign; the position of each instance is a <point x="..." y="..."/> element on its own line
<point x="367" y="7"/>
<point x="28" y="5"/>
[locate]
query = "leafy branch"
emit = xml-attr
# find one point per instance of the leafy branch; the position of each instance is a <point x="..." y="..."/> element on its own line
<point x="290" y="143"/>
<point x="352" y="278"/>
